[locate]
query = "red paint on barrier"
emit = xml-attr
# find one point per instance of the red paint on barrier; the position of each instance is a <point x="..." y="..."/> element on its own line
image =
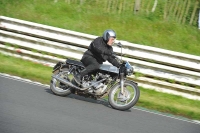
<point x="18" y="51"/>
<point x="3" y="26"/>
<point x="46" y="64"/>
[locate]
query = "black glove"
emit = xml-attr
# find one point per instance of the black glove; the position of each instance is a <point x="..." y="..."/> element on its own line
<point x="122" y="64"/>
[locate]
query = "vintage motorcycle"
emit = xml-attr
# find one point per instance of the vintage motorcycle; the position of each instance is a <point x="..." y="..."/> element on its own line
<point x="109" y="82"/>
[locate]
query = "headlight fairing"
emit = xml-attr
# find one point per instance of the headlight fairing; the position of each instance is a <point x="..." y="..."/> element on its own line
<point x="129" y="69"/>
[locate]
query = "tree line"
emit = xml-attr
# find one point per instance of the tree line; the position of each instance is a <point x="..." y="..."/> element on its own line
<point x="181" y="11"/>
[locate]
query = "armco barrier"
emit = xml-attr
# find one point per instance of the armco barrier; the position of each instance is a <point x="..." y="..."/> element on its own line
<point x="149" y="61"/>
<point x="147" y="68"/>
<point x="146" y="53"/>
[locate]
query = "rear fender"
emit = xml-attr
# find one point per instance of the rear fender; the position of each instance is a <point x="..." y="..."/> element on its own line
<point x="59" y="66"/>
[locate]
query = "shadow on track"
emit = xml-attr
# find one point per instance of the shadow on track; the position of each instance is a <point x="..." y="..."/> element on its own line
<point x="77" y="97"/>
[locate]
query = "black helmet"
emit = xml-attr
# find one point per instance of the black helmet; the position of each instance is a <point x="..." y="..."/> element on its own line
<point x="107" y="34"/>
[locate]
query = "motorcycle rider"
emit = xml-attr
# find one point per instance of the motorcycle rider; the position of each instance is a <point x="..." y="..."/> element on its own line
<point x="99" y="51"/>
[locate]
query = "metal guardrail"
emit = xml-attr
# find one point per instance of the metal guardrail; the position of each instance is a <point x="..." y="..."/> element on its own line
<point x="146" y="53"/>
<point x="149" y="61"/>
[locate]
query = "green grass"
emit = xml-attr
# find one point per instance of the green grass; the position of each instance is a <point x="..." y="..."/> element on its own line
<point x="25" y="69"/>
<point x="93" y="19"/>
<point x="148" y="99"/>
<point x="172" y="104"/>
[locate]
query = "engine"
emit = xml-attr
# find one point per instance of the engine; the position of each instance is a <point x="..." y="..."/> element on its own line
<point x="97" y="87"/>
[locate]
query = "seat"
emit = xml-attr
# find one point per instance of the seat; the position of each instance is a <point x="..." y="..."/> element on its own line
<point x="74" y="62"/>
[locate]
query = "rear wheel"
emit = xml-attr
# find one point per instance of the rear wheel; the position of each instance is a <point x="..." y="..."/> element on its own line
<point x="126" y="100"/>
<point x="59" y="88"/>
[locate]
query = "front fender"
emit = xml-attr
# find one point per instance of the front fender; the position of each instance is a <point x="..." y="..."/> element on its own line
<point x="132" y="81"/>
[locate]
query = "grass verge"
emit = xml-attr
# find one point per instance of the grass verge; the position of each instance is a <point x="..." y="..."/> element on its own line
<point x="149" y="99"/>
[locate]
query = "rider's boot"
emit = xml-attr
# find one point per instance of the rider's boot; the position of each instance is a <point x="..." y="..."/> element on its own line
<point x="78" y="77"/>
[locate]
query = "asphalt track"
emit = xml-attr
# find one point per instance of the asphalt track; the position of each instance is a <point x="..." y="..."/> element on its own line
<point x="26" y="107"/>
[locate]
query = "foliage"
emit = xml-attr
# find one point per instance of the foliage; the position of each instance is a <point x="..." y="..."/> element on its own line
<point x="93" y="17"/>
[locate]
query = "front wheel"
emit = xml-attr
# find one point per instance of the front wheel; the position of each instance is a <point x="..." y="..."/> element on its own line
<point x="126" y="100"/>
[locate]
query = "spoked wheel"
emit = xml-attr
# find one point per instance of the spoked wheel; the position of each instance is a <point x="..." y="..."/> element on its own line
<point x="126" y="100"/>
<point x="59" y="88"/>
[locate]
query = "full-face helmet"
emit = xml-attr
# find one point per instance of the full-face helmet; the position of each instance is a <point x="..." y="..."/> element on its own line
<point x="107" y="34"/>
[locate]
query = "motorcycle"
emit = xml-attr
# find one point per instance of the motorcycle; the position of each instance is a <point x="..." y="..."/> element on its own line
<point x="109" y="81"/>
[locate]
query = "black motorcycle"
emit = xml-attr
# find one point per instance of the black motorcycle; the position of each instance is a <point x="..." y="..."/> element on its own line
<point x="107" y="81"/>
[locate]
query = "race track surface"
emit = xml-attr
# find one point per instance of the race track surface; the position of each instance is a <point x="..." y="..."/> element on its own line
<point x="26" y="107"/>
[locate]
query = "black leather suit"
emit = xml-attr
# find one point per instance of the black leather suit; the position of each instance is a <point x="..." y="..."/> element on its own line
<point x="98" y="52"/>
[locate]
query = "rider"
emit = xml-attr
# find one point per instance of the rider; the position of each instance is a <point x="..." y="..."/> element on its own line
<point x="98" y="52"/>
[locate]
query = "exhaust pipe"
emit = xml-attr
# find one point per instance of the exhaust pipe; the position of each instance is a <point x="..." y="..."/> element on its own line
<point x="68" y="83"/>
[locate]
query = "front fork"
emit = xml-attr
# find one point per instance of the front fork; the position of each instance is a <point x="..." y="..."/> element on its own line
<point x="122" y="83"/>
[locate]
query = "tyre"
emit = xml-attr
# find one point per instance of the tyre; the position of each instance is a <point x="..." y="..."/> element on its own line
<point x="59" y="88"/>
<point x="126" y="101"/>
